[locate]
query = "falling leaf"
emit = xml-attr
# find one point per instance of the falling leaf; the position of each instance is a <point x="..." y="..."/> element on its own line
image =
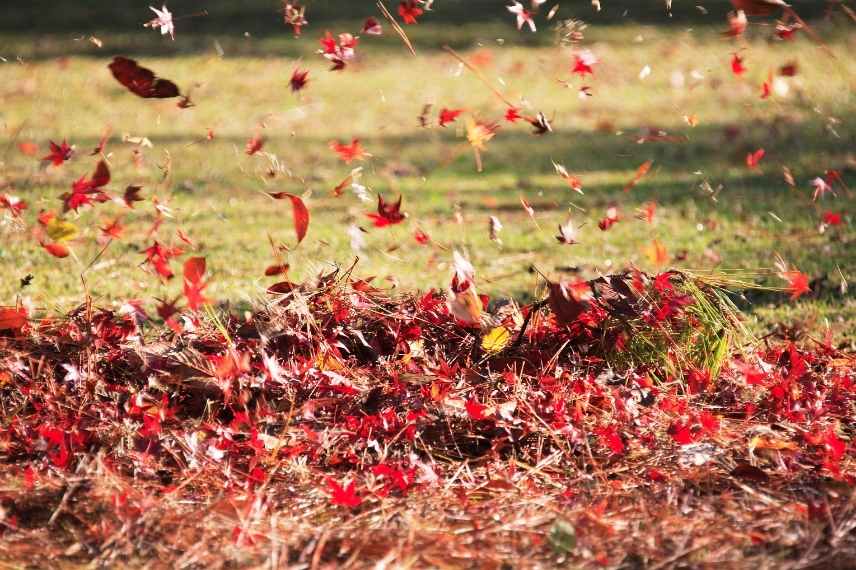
<point x="737" y="67"/>
<point x="163" y="20"/>
<point x="61" y="230"/>
<point x="409" y="11"/>
<point x="567" y="233"/>
<point x="754" y="158"/>
<point x="299" y="211"/>
<point x="59" y="153"/>
<point x="372" y="27"/>
<point x="349" y="152"/>
<point x="584" y="63"/>
<point x="254" y="145"/>
<point x="388" y="213"/>
<point x="299" y="79"/>
<point x="57" y="249"/>
<point x="142" y="81"/>
<point x="194" y="270"/>
<point x="643" y="169"/>
<point x="448" y="116"/>
<point x="657" y="253"/>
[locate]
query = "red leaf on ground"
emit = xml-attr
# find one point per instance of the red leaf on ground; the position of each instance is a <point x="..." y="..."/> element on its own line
<point x="345" y="496"/>
<point x="12" y="318"/>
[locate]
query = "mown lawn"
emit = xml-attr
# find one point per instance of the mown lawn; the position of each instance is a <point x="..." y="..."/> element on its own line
<point x="713" y="212"/>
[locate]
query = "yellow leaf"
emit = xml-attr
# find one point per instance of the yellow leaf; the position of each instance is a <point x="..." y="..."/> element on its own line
<point x="478" y="133"/>
<point x="60" y="230"/>
<point x="326" y="361"/>
<point x="657" y="253"/>
<point x="496" y="339"/>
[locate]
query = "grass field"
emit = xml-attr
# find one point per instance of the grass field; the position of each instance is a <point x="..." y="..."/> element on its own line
<point x="216" y="193"/>
<point x="621" y="422"/>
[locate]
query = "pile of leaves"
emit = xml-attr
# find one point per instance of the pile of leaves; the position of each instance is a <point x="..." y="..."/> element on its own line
<point x="624" y="422"/>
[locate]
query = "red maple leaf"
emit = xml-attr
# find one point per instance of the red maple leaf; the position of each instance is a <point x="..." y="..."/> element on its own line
<point x="388" y="214"/>
<point x="767" y="88"/>
<point x="132" y="194"/>
<point x="254" y="145"/>
<point x="13" y="318"/>
<point x="194" y="270"/>
<point x="610" y="219"/>
<point x="584" y="63"/>
<point x="142" y="81"/>
<point x="349" y="152"/>
<point x="475" y="410"/>
<point x="299" y="79"/>
<point x="663" y="282"/>
<point x="158" y="257"/>
<point x="752" y="374"/>
<point x="85" y="190"/>
<point x="372" y="27"/>
<point x="682" y="433"/>
<point x="754" y="158"/>
<point x="338" y="52"/>
<point x="448" y="116"/>
<point x="512" y="114"/>
<point x="829" y="218"/>
<point x="113" y="230"/>
<point x="737" y="67"/>
<point x="797" y="283"/>
<point x="345" y="496"/>
<point x="409" y="11"/>
<point x="59" y="153"/>
<point x="421" y="237"/>
<point x="612" y="439"/>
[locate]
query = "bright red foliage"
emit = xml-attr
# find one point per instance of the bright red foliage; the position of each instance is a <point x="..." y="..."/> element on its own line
<point x="448" y="116"/>
<point x="59" y="153"/>
<point x="409" y="11"/>
<point x="387" y="213"/>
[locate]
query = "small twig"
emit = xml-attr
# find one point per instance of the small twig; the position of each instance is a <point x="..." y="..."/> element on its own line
<point x="398" y="29"/>
<point x="532" y="309"/>
<point x="477" y="72"/>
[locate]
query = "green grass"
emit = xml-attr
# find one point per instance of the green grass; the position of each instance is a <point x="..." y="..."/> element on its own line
<point x="216" y="192"/>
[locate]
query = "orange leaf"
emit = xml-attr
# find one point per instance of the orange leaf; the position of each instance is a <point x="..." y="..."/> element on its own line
<point x="12" y="318"/>
<point x="28" y="148"/>
<point x="194" y="269"/>
<point x="57" y="249"/>
<point x="640" y="174"/>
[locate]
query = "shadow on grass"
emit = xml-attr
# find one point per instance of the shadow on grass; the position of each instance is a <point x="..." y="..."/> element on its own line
<point x="517" y="161"/>
<point x="41" y="29"/>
